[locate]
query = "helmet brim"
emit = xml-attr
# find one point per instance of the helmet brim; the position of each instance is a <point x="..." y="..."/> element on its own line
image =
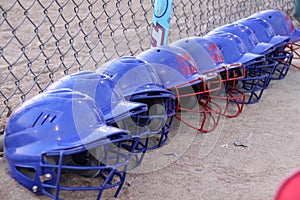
<point x="249" y="57"/>
<point x="263" y="48"/>
<point x="295" y="36"/>
<point x="123" y="110"/>
<point x="279" y="41"/>
<point x="101" y="135"/>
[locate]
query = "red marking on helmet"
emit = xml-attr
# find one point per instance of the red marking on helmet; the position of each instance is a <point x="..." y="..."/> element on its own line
<point x="289" y="22"/>
<point x="215" y="53"/>
<point x="185" y="64"/>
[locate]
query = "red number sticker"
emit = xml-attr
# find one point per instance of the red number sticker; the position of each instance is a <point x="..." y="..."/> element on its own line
<point x="215" y="53"/>
<point x="185" y="65"/>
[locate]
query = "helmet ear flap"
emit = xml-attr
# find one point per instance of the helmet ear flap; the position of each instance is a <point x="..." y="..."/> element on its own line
<point x="26" y="176"/>
<point x="29" y="176"/>
<point x="28" y="172"/>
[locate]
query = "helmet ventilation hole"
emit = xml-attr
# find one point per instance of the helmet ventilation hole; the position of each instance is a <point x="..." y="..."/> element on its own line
<point x="27" y="171"/>
<point x="43" y="118"/>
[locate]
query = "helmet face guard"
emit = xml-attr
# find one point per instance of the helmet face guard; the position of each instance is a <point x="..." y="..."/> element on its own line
<point x="144" y="88"/>
<point x="178" y="72"/>
<point x="234" y="51"/>
<point x="284" y="61"/>
<point x="115" y="108"/>
<point x="81" y="162"/>
<point x="58" y="135"/>
<point x="209" y="60"/>
<point x="293" y="49"/>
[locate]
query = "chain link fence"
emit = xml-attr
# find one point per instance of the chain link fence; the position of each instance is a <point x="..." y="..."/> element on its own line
<point x="42" y="40"/>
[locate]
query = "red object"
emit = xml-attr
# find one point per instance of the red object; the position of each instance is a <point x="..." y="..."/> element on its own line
<point x="290" y="189"/>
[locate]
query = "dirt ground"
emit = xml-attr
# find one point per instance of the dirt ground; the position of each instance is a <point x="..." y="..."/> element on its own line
<point x="245" y="158"/>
